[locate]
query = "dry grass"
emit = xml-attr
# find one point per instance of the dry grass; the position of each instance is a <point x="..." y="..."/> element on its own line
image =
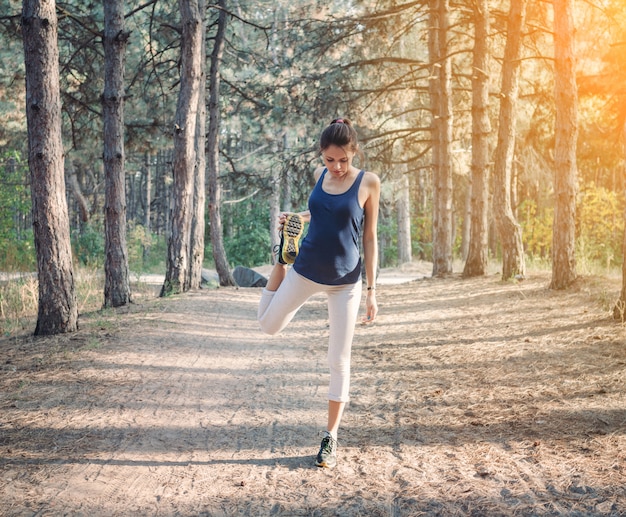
<point x="19" y="297"/>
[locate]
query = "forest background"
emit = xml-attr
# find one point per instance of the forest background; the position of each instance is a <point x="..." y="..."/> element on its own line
<point x="407" y="74"/>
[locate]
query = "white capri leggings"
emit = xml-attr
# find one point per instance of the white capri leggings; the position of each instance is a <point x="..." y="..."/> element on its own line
<point x="277" y="309"/>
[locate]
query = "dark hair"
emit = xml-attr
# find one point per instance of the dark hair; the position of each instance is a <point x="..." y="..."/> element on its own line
<point x="340" y="133"/>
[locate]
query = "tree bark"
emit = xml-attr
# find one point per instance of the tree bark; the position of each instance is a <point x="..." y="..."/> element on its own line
<point x="116" y="273"/>
<point x="147" y="226"/>
<point x="403" y="214"/>
<point x="178" y="252"/>
<point x="440" y="91"/>
<point x="619" y="311"/>
<point x="566" y="132"/>
<point x="478" y="249"/>
<point x="58" y="308"/>
<point x="199" y="190"/>
<point x="510" y="232"/>
<point x="214" y="190"/>
<point x="274" y="181"/>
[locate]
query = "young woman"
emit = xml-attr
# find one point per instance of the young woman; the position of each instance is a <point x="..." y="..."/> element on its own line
<point x="343" y="207"/>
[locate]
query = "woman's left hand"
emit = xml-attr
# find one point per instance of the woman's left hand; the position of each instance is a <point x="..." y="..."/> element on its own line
<point x="371" y="308"/>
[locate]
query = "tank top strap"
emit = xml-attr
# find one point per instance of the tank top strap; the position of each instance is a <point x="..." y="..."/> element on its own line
<point x="359" y="178"/>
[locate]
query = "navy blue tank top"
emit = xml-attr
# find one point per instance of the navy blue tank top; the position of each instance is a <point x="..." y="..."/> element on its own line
<point x="329" y="254"/>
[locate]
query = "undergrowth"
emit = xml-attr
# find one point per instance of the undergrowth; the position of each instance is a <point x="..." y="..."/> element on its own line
<point x="19" y="297"/>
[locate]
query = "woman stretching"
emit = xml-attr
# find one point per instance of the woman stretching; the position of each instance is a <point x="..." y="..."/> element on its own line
<point x="343" y="207"/>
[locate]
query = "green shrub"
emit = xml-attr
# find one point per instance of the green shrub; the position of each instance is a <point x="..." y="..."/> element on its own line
<point x="600" y="225"/>
<point x="247" y="239"/>
<point x="17" y="252"/>
<point x="88" y="245"/>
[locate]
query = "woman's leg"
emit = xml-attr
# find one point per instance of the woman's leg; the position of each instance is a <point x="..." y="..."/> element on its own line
<point x="343" y="308"/>
<point x="276" y="276"/>
<point x="335" y="412"/>
<point x="277" y="308"/>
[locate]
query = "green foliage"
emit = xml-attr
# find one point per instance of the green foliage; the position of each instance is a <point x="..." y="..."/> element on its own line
<point x="283" y="79"/>
<point x="600" y="225"/>
<point x="17" y="251"/>
<point x="247" y="241"/>
<point x="139" y="242"/>
<point x="388" y="238"/>
<point x="536" y="229"/>
<point x="421" y="237"/>
<point x="88" y="245"/>
<point x="146" y="251"/>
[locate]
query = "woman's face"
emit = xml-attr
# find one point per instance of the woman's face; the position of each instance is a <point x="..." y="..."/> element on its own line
<point x="338" y="160"/>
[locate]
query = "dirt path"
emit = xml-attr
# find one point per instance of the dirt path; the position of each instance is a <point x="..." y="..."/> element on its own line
<point x="469" y="397"/>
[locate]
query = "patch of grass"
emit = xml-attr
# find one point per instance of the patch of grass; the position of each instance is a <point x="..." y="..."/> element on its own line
<point x="18" y="303"/>
<point x="19" y="298"/>
<point x="93" y="343"/>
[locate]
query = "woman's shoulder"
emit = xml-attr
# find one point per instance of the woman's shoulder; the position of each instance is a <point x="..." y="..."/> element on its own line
<point x="371" y="179"/>
<point x="318" y="172"/>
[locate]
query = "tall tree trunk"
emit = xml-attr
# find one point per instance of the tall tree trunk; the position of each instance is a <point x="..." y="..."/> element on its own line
<point x="274" y="181"/>
<point x="214" y="190"/>
<point x="478" y="250"/>
<point x="147" y="227"/>
<point x="178" y="252"/>
<point x="116" y="275"/>
<point x="510" y="232"/>
<point x="403" y="214"/>
<point x="566" y="132"/>
<point x="199" y="191"/>
<point x="440" y="90"/>
<point x="58" y="308"/>
<point x="619" y="311"/>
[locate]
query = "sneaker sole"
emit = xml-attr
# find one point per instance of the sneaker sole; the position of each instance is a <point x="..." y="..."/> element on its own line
<point x="325" y="465"/>
<point x="292" y="231"/>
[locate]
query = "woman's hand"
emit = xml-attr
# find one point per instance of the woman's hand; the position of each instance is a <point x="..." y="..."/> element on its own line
<point x="306" y="217"/>
<point x="371" y="307"/>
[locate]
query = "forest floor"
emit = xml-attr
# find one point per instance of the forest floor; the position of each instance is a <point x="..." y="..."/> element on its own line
<point x="469" y="397"/>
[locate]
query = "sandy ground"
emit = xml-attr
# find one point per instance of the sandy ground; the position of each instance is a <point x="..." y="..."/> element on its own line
<point x="469" y="397"/>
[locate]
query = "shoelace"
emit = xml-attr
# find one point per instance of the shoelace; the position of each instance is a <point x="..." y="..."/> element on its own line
<point x="328" y="444"/>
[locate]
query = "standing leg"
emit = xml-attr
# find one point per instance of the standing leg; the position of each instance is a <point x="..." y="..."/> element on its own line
<point x="343" y="307"/>
<point x="335" y="412"/>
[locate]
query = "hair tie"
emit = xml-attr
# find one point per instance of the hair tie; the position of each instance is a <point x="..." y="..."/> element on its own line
<point x="339" y="121"/>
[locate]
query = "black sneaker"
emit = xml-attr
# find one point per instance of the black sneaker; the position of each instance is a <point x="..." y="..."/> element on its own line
<point x="278" y="250"/>
<point x="327" y="457"/>
<point x="289" y="237"/>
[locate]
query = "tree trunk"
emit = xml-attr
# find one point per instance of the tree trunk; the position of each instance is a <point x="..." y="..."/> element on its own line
<point x="58" y="308"/>
<point x="513" y="263"/>
<point x="116" y="274"/>
<point x="178" y="252"/>
<point x="466" y="226"/>
<point x="214" y="191"/>
<point x="199" y="191"/>
<point x="478" y="249"/>
<point x="147" y="226"/>
<point x="274" y="181"/>
<point x="619" y="311"/>
<point x="566" y="132"/>
<point x="440" y="90"/>
<point x="403" y="214"/>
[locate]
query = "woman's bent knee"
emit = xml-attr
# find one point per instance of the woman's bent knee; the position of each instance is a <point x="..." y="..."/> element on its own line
<point x="267" y="329"/>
